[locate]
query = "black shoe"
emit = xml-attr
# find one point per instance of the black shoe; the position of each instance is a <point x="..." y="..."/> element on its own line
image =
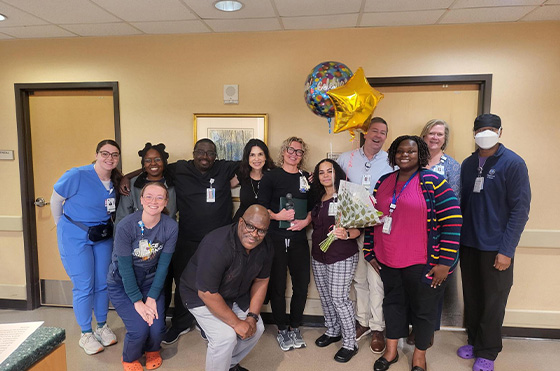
<point x="238" y="367"/>
<point x="418" y="368"/>
<point x="172" y="335"/>
<point x="344" y="355"/>
<point x="324" y="340"/>
<point x="382" y="364"/>
<point x="202" y="333"/>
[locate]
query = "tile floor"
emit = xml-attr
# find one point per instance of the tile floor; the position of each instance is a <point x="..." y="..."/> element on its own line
<point x="190" y="351"/>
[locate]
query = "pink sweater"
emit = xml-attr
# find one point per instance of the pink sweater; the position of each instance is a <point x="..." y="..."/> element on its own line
<point x="406" y="245"/>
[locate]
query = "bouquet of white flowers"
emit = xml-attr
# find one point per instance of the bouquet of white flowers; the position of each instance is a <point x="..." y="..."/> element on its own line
<point x="355" y="209"/>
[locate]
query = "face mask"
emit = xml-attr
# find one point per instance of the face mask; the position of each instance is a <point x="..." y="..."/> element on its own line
<point x="487" y="139"/>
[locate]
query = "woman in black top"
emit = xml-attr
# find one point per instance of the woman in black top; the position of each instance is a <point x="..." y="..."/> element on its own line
<point x="255" y="162"/>
<point x="287" y="231"/>
<point x="333" y="269"/>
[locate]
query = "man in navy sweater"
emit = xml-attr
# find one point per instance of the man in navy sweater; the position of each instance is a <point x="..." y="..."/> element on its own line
<point x="495" y="200"/>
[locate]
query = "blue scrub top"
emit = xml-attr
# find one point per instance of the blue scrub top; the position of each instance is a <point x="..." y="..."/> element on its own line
<point x="85" y="195"/>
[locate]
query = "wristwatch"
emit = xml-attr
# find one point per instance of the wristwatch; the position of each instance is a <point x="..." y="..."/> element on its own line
<point x="347" y="234"/>
<point x="251" y="314"/>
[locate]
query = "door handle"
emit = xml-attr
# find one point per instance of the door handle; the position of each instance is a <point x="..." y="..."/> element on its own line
<point x="40" y="202"/>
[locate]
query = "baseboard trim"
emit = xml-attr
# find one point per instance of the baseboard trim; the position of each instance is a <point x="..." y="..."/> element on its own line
<point x="535" y="333"/>
<point x="308" y="321"/>
<point x="530" y="318"/>
<point x="13" y="304"/>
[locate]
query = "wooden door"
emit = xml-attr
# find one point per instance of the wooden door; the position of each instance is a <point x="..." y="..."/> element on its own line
<point x="65" y="129"/>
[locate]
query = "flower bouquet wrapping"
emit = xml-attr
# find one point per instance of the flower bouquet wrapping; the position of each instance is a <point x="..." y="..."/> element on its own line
<point x="356" y="209"/>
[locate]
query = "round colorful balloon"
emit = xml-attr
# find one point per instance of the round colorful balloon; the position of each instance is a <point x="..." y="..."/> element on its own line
<point x="324" y="77"/>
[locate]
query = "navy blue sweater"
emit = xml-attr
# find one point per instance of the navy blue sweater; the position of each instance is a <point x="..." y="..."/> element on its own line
<point x="494" y="219"/>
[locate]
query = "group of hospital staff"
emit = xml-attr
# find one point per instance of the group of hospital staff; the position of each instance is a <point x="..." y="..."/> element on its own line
<point x="434" y="211"/>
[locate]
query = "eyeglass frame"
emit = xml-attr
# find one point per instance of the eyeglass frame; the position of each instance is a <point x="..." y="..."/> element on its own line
<point x="157" y="160"/>
<point x="106" y="154"/>
<point x="298" y="152"/>
<point x="201" y="152"/>
<point x="151" y="198"/>
<point x="251" y="228"/>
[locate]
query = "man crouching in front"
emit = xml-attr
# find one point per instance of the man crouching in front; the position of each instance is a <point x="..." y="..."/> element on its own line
<point x="224" y="286"/>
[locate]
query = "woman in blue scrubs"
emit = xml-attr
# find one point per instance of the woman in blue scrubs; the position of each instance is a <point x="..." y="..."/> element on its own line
<point x="82" y="203"/>
<point x="144" y="243"/>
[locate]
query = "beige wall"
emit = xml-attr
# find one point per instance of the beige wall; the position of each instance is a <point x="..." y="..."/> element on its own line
<point x="163" y="80"/>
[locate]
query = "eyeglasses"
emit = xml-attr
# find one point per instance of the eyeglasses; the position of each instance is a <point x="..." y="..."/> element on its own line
<point x="200" y="153"/>
<point x="400" y="152"/>
<point x="150" y="198"/>
<point x="105" y="154"/>
<point x="251" y="228"/>
<point x="298" y="152"/>
<point x="157" y="160"/>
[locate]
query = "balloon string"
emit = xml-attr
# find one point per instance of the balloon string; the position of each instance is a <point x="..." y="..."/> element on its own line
<point x="329" y="121"/>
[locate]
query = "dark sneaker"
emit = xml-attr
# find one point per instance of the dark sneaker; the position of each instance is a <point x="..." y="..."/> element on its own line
<point x="202" y="333"/>
<point x="238" y="367"/>
<point x="173" y="334"/>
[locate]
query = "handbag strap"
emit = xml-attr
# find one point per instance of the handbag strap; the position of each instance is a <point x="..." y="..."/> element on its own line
<point x="77" y="224"/>
<point x="82" y="226"/>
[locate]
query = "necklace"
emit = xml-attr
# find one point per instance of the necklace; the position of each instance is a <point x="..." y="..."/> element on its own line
<point x="256" y="193"/>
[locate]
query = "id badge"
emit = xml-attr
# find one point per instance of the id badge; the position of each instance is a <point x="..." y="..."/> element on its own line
<point x="387" y="224"/>
<point x="210" y="194"/>
<point x="366" y="181"/>
<point x="478" y="184"/>
<point x="303" y="184"/>
<point x="144" y="247"/>
<point x="333" y="208"/>
<point x="111" y="205"/>
<point x="439" y="169"/>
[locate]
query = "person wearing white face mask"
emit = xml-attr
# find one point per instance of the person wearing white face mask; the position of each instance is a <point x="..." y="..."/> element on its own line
<point x="495" y="202"/>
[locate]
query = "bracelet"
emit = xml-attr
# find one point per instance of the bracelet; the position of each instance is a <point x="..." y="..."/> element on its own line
<point x="254" y="316"/>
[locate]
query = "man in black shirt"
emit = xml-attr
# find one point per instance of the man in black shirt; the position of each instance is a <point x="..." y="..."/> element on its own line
<point x="224" y="286"/>
<point x="204" y="203"/>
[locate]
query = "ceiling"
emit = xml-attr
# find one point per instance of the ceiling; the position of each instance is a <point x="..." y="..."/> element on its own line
<point x="28" y="19"/>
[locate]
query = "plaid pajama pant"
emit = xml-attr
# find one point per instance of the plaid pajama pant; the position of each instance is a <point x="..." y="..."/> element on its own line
<point x="333" y="282"/>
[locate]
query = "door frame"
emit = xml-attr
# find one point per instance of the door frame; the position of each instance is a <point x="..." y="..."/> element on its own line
<point x="484" y="82"/>
<point x="22" y="93"/>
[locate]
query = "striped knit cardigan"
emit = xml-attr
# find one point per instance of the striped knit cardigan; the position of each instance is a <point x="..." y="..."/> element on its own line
<point x="444" y="223"/>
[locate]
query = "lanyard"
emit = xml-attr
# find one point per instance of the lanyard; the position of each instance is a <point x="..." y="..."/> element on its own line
<point x="393" y="205"/>
<point x="481" y="163"/>
<point x="141" y="225"/>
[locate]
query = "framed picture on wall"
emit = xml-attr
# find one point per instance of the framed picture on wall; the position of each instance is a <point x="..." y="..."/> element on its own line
<point x="230" y="132"/>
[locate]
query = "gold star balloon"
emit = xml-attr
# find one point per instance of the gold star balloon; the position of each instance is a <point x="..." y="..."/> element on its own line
<point x="354" y="104"/>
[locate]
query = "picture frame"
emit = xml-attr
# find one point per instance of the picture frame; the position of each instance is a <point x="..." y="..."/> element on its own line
<point x="230" y="131"/>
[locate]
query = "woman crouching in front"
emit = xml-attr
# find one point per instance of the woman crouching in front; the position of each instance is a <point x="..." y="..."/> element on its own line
<point x="415" y="249"/>
<point x="144" y="243"/>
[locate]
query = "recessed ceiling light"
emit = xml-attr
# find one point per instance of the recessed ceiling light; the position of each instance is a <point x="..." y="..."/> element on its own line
<point x="2" y="17"/>
<point x="228" y="6"/>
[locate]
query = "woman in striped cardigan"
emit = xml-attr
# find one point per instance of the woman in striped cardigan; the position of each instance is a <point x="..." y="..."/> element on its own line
<point x="416" y="247"/>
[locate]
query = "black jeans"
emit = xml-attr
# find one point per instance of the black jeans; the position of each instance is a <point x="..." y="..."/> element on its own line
<point x="485" y="294"/>
<point x="296" y="258"/>
<point x="408" y="298"/>
<point x="184" y="250"/>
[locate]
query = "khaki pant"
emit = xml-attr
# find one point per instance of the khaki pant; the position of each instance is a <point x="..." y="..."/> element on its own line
<point x="369" y="293"/>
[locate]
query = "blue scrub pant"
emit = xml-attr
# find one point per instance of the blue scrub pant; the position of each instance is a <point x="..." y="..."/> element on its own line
<point x="139" y="336"/>
<point x="87" y="264"/>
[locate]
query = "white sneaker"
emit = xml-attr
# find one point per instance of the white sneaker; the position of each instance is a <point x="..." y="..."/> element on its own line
<point x="105" y="335"/>
<point x="90" y="344"/>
